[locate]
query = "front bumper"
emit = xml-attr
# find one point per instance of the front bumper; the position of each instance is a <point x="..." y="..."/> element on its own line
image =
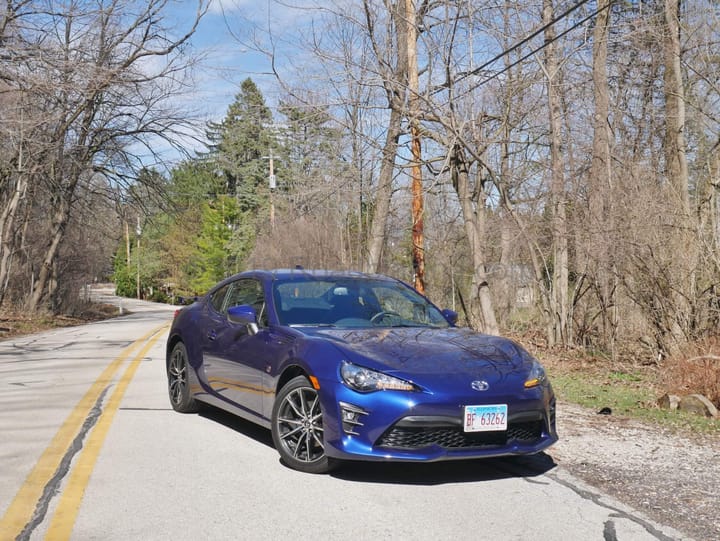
<point x="402" y="426"/>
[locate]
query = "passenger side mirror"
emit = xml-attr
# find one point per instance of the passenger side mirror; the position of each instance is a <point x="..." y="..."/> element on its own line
<point x="244" y="314"/>
<point x="450" y="315"/>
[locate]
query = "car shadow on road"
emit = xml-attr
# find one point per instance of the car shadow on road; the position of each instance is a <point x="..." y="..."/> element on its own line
<point x="438" y="473"/>
<point x="238" y="424"/>
<point x="404" y="473"/>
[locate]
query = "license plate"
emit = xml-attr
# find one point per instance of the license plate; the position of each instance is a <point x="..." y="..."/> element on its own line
<point x="486" y="418"/>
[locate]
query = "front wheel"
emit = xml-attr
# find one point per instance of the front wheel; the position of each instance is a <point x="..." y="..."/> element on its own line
<point x="297" y="427"/>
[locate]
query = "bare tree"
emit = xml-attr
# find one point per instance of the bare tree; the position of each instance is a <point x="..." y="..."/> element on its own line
<point x="394" y="80"/>
<point x="559" y="299"/>
<point x="565" y="162"/>
<point x="89" y="71"/>
<point x="601" y="270"/>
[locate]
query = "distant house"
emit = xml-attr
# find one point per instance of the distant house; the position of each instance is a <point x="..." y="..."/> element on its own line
<point x="520" y="278"/>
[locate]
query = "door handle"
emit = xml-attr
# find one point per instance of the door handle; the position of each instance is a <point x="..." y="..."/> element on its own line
<point x="212" y="335"/>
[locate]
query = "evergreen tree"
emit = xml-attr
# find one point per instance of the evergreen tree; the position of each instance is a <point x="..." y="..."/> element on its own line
<point x="215" y="258"/>
<point x="193" y="182"/>
<point x="240" y="145"/>
<point x="214" y="205"/>
<point x="313" y="153"/>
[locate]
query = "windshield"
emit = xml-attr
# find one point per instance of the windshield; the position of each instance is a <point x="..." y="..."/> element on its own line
<point x="353" y="302"/>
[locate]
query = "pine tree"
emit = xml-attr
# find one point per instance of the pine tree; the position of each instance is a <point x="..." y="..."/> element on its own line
<point x="239" y="146"/>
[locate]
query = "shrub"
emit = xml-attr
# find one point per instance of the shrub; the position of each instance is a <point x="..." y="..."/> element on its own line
<point x="696" y="369"/>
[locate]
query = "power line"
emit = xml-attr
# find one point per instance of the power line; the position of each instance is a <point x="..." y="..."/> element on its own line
<point x="519" y="44"/>
<point x="540" y="48"/>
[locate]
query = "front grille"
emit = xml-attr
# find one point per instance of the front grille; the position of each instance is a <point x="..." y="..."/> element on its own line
<point x="453" y="437"/>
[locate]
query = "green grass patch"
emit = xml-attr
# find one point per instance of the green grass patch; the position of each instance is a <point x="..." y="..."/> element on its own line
<point x="624" y="376"/>
<point x="627" y="394"/>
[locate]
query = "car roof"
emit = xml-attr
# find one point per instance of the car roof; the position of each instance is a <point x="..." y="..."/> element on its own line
<point x="298" y="274"/>
<point x="301" y="274"/>
<point x="311" y="274"/>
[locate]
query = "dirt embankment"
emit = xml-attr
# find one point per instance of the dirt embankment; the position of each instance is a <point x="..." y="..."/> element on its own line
<point x="672" y="478"/>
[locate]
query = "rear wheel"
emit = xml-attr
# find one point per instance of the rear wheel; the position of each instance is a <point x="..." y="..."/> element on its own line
<point x="297" y="427"/>
<point x="178" y="381"/>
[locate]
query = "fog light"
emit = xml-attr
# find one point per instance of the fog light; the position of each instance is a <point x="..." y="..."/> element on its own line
<point x="350" y="416"/>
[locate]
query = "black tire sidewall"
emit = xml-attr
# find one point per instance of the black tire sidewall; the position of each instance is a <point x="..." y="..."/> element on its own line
<point x="187" y="403"/>
<point x="321" y="465"/>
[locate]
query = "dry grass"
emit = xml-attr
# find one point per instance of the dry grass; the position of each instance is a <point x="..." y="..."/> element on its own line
<point x="631" y="384"/>
<point x="14" y="322"/>
<point x="695" y="370"/>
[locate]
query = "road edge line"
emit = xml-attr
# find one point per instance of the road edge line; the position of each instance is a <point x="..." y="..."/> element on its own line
<point x="63" y="521"/>
<point x="22" y="508"/>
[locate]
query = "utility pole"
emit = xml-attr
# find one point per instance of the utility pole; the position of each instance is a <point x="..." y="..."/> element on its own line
<point x="418" y="204"/>
<point x="138" y="230"/>
<point x="272" y="183"/>
<point x="127" y="242"/>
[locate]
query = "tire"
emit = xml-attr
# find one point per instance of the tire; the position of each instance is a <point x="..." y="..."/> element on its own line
<point x="178" y="372"/>
<point x="297" y="428"/>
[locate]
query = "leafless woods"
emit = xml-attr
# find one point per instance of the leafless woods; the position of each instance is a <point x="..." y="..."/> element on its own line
<point x="571" y="159"/>
<point x="84" y="89"/>
<point x="570" y="152"/>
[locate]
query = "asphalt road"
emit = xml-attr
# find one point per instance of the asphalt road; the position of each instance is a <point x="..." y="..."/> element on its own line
<point x="90" y="449"/>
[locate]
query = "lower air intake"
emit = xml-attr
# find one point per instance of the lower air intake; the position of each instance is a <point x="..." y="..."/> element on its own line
<point x="454" y="437"/>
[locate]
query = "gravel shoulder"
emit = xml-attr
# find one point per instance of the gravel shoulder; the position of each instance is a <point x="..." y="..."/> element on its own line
<point x="672" y="478"/>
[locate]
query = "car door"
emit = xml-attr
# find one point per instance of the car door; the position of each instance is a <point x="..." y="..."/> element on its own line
<point x="232" y="354"/>
<point x="214" y="320"/>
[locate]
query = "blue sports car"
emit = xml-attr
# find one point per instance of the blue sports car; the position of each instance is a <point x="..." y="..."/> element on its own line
<point x="344" y="365"/>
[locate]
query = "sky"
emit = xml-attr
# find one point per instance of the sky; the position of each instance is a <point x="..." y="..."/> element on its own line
<point x="225" y="39"/>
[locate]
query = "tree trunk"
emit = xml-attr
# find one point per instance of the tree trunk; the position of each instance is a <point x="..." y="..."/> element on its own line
<point x="41" y="290"/>
<point x="482" y="314"/>
<point x="7" y="225"/>
<point x="418" y="204"/>
<point x="682" y="240"/>
<point x="601" y="224"/>
<point x="383" y="195"/>
<point x="503" y="284"/>
<point x="707" y="205"/>
<point x="675" y="157"/>
<point x="560" y="275"/>
<point x="395" y="87"/>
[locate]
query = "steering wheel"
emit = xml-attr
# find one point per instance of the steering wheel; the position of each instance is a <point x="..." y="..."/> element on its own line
<point x="382" y="315"/>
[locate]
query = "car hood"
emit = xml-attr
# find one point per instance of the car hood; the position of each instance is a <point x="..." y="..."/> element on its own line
<point x="425" y="353"/>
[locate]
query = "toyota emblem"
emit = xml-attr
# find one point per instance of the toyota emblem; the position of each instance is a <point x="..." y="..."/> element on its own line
<point x="480" y="385"/>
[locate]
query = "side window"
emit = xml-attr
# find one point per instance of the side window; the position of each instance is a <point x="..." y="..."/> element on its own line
<point x="218" y="298"/>
<point x="248" y="292"/>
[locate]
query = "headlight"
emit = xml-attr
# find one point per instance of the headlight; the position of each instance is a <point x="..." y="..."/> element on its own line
<point x="536" y="376"/>
<point x="366" y="380"/>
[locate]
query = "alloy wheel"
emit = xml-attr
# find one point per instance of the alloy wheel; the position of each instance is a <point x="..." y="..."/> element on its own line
<point x="178" y="381"/>
<point x="299" y="424"/>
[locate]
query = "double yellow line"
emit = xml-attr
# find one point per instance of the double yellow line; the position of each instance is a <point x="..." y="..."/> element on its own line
<point x="21" y="510"/>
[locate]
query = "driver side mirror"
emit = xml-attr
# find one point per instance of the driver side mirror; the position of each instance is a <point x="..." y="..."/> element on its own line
<point x="244" y="314"/>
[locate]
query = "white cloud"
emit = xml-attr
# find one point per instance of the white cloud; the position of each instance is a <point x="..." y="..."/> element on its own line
<point x="280" y="13"/>
<point x="226" y="7"/>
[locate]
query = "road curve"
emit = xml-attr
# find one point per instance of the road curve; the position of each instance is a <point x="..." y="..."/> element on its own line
<point x="91" y="449"/>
